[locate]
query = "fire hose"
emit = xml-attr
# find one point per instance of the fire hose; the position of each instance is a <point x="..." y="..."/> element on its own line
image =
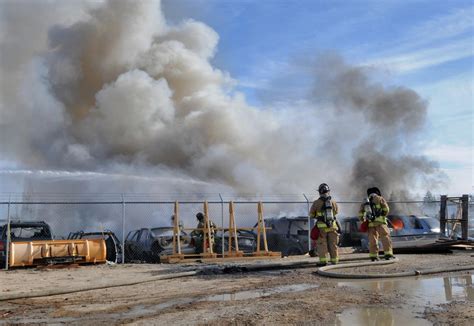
<point x="206" y="270"/>
<point x="327" y="271"/>
<point x="324" y="271"/>
<point x="48" y="293"/>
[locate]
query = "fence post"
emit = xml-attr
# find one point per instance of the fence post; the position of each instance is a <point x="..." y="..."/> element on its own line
<point x="309" y="224"/>
<point x="123" y="229"/>
<point x="176" y="230"/>
<point x="442" y="214"/>
<point x="222" y="225"/>
<point x="7" y="255"/>
<point x="465" y="216"/>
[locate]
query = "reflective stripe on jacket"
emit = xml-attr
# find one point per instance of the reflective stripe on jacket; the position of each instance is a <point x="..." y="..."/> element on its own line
<point x="381" y="210"/>
<point x="317" y="212"/>
<point x="322" y="226"/>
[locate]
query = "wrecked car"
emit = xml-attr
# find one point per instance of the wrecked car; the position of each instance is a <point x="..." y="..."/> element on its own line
<point x="32" y="244"/>
<point x="114" y="248"/>
<point x="405" y="231"/>
<point x="147" y="245"/>
<point x="246" y="240"/>
<point x="23" y="231"/>
<point x="288" y="235"/>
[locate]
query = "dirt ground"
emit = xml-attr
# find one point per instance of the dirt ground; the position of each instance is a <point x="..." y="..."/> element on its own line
<point x="453" y="313"/>
<point x="291" y="296"/>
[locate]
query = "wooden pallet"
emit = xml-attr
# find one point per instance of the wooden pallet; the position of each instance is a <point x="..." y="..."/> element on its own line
<point x="172" y="259"/>
<point x="267" y="254"/>
<point x="229" y="259"/>
<point x="176" y="258"/>
<point x="232" y="253"/>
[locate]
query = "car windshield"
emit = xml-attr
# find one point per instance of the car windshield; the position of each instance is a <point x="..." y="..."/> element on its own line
<point x="277" y="225"/>
<point x="132" y="235"/>
<point x="297" y="226"/>
<point x="164" y="232"/>
<point x="95" y="236"/>
<point x="29" y="232"/>
<point x="432" y="222"/>
<point x="245" y="242"/>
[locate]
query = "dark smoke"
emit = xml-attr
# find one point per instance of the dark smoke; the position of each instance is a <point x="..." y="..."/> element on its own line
<point x="387" y="123"/>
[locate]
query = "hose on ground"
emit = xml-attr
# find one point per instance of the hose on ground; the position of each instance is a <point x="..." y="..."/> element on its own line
<point x="265" y="266"/>
<point x="48" y="293"/>
<point x="281" y="265"/>
<point x="324" y="271"/>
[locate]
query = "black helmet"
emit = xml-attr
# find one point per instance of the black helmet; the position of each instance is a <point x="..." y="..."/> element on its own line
<point x="323" y="188"/>
<point x="200" y="216"/>
<point x="374" y="190"/>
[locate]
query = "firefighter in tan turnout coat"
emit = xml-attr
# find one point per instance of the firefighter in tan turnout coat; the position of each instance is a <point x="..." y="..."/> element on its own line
<point x="374" y="211"/>
<point x="200" y="229"/>
<point x="324" y="210"/>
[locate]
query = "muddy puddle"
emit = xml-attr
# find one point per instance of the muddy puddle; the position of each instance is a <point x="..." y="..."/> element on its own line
<point x="143" y="310"/>
<point x="259" y="293"/>
<point x="417" y="294"/>
<point x="235" y="296"/>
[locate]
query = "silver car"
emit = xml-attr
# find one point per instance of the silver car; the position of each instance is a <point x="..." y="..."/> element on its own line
<point x="406" y="231"/>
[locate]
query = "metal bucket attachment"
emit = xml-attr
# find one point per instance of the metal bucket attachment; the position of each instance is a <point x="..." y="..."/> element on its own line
<point x="82" y="251"/>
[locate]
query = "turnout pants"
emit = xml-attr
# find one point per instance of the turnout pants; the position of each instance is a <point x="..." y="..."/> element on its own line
<point x="383" y="232"/>
<point x="327" y="242"/>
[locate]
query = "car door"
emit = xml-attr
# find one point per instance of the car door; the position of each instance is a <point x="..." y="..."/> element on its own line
<point x="142" y="243"/>
<point x="131" y="247"/>
<point x="299" y="231"/>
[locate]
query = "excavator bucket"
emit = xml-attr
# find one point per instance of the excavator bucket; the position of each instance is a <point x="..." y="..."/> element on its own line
<point x="45" y="252"/>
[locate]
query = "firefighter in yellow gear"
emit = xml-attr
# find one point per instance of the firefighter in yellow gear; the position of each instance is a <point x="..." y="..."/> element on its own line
<point x="324" y="210"/>
<point x="200" y="228"/>
<point x="374" y="211"/>
<point x="202" y="225"/>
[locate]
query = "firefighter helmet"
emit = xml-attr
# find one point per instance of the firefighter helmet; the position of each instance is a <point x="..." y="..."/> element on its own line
<point x="200" y="216"/>
<point x="323" y="188"/>
<point x="374" y="190"/>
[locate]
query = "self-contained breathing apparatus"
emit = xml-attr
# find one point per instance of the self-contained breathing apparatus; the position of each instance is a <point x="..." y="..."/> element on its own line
<point x="327" y="217"/>
<point x="371" y="212"/>
<point x="328" y="214"/>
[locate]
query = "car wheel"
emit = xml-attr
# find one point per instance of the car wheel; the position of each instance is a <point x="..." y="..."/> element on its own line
<point x="313" y="253"/>
<point x="364" y="244"/>
<point x="293" y="251"/>
<point x="155" y="253"/>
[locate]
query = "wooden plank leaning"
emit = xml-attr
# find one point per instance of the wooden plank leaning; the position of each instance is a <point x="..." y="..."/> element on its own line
<point x="208" y="238"/>
<point x="177" y="254"/>
<point x="233" y="235"/>
<point x="262" y="235"/>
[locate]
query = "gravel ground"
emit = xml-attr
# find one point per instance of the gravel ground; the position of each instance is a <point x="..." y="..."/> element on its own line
<point x="458" y="313"/>
<point x="293" y="296"/>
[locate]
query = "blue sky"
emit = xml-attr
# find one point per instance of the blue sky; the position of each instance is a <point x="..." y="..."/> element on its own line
<point x="425" y="45"/>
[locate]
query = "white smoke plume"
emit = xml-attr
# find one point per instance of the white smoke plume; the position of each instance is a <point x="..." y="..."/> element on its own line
<point x="111" y="87"/>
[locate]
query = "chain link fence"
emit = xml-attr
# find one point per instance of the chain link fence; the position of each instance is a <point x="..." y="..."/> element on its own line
<point x="143" y="225"/>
